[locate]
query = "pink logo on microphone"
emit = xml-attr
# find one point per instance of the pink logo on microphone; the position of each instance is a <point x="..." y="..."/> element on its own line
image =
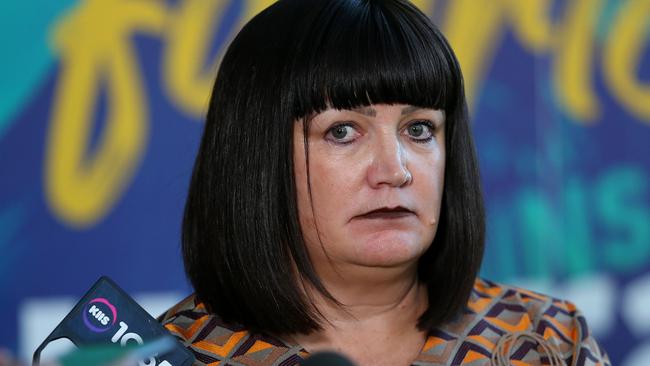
<point x="99" y="315"/>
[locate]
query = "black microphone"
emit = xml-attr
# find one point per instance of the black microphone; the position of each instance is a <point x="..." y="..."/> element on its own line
<point x="326" y="359"/>
<point x="106" y="315"/>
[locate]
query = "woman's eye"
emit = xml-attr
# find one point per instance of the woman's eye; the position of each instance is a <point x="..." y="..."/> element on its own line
<point x="421" y="131"/>
<point x="342" y="133"/>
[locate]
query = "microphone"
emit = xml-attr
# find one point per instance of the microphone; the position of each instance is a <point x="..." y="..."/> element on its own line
<point x="326" y="359"/>
<point x="106" y="315"/>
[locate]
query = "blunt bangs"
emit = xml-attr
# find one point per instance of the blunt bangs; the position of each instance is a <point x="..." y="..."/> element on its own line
<point x="362" y="52"/>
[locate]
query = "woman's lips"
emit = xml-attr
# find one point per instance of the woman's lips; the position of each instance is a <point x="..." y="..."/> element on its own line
<point x="387" y="213"/>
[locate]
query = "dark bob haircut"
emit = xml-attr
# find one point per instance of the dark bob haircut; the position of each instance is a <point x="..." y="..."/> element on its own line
<point x="242" y="244"/>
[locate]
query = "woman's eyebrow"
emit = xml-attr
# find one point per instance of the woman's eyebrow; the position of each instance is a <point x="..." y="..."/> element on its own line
<point x="368" y="111"/>
<point x="409" y="109"/>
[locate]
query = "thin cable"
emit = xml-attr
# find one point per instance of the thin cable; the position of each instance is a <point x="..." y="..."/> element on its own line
<point x="505" y="346"/>
<point x="503" y="349"/>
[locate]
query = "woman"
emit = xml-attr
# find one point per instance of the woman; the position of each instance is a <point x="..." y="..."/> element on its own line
<point x="335" y="204"/>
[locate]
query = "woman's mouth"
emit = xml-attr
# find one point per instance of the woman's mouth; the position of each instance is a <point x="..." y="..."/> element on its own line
<point x="387" y="213"/>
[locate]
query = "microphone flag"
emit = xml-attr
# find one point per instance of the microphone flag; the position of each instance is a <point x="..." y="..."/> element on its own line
<point x="107" y="315"/>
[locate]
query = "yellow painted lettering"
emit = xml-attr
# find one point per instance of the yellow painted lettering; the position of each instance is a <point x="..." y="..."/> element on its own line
<point x="623" y="50"/>
<point x="93" y="42"/>
<point x="574" y="60"/>
<point x="191" y="29"/>
<point x="531" y="21"/>
<point x="426" y="6"/>
<point x="253" y="7"/>
<point x="473" y="32"/>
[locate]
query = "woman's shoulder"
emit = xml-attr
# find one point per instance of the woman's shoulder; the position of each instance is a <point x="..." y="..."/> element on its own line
<point x="507" y="323"/>
<point x="501" y="325"/>
<point x="496" y="300"/>
<point x="212" y="340"/>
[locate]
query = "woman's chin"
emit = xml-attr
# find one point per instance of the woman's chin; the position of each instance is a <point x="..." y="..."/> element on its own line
<point x="389" y="249"/>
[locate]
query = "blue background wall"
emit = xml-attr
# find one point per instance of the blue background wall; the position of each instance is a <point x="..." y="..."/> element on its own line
<point x="101" y="104"/>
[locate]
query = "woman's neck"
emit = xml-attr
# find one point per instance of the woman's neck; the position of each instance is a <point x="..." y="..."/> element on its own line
<point x="379" y="310"/>
<point x="369" y="293"/>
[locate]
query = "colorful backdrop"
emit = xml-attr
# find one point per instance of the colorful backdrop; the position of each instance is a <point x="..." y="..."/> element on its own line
<point x="101" y="103"/>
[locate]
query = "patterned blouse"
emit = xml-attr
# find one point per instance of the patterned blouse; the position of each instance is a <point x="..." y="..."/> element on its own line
<point x="501" y="325"/>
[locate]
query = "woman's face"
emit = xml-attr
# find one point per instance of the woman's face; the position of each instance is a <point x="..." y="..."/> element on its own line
<point x="377" y="176"/>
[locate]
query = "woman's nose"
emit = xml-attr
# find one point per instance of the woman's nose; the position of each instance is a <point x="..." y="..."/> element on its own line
<point x="389" y="165"/>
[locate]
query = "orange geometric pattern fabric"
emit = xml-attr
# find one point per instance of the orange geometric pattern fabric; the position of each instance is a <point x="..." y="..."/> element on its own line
<point x="532" y="324"/>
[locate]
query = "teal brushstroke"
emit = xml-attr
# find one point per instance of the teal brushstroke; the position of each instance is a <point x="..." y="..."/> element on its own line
<point x="500" y="263"/>
<point x="594" y="224"/>
<point x="622" y="197"/>
<point x="607" y="18"/>
<point x="25" y="27"/>
<point x="577" y="231"/>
